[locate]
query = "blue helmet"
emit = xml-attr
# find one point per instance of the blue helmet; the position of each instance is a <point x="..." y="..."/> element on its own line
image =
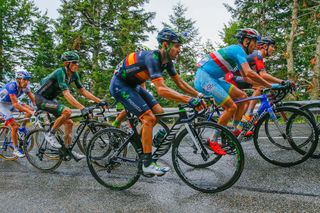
<point x="166" y="34"/>
<point x="23" y="74"/>
<point x="266" y="40"/>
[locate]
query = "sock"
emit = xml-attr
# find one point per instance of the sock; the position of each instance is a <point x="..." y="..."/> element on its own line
<point x="147" y="159"/>
<point x="215" y="135"/>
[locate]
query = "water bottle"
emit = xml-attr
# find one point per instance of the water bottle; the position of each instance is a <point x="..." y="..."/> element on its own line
<point x="158" y="137"/>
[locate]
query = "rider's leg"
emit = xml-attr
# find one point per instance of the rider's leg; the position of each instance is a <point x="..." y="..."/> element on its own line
<point x="148" y="120"/>
<point x="14" y="126"/>
<point x="26" y="115"/>
<point x="120" y="117"/>
<point x="252" y="104"/>
<point x="65" y="115"/>
<point x="68" y="124"/>
<point x="236" y="93"/>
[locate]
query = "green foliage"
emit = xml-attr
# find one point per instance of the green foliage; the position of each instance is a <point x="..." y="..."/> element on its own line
<point x="273" y="18"/>
<point x="103" y="32"/>
<point x="16" y="19"/>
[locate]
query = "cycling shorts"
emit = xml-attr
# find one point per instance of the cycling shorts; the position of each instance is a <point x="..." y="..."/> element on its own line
<point x="6" y="110"/>
<point x="219" y="89"/>
<point x="51" y="106"/>
<point x="135" y="99"/>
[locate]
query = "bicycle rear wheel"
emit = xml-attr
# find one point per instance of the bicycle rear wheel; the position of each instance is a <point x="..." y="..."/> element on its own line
<point x="88" y="134"/>
<point x="6" y="147"/>
<point x="112" y="160"/>
<point x="215" y="174"/>
<point x="287" y="140"/>
<point x="314" y="109"/>
<point x="42" y="155"/>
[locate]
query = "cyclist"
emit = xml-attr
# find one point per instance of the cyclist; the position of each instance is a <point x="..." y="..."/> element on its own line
<point x="140" y="66"/>
<point x="9" y="95"/>
<point x="211" y="75"/>
<point x="265" y="47"/>
<point x="53" y="86"/>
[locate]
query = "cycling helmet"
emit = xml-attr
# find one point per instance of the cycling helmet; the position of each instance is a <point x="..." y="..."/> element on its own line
<point x="70" y="56"/>
<point x="23" y="74"/>
<point x="266" y="40"/>
<point x="169" y="35"/>
<point x="248" y="33"/>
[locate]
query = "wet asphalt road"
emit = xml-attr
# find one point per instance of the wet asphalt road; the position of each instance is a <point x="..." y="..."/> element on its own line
<point x="262" y="187"/>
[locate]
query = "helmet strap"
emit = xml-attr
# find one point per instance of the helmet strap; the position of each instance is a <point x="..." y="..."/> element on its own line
<point x="246" y="48"/>
<point x="267" y="52"/>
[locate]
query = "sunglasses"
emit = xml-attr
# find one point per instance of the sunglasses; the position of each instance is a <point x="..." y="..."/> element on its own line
<point x="75" y="62"/>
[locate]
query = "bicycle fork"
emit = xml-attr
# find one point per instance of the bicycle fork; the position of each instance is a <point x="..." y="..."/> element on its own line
<point x="197" y="142"/>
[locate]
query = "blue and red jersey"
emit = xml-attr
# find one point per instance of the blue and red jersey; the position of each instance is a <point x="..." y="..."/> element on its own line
<point x="11" y="88"/>
<point x="255" y="61"/>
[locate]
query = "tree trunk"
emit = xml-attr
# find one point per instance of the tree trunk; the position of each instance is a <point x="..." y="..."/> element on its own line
<point x="316" y="76"/>
<point x="294" y="26"/>
<point x="1" y="50"/>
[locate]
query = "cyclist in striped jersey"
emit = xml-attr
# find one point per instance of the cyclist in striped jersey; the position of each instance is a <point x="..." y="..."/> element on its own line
<point x="211" y="73"/>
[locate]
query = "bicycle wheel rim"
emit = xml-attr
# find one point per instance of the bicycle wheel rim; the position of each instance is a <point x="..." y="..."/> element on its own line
<point x="215" y="177"/>
<point x="42" y="155"/>
<point x="294" y="146"/>
<point x="116" y="172"/>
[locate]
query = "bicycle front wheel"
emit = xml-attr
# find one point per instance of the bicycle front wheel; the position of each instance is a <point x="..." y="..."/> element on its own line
<point x="214" y="174"/>
<point x="42" y="155"/>
<point x="112" y="160"/>
<point x="6" y="147"/>
<point x="287" y="139"/>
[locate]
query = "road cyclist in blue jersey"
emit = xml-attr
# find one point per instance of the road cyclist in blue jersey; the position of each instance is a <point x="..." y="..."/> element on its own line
<point x="210" y="78"/>
<point x="9" y="95"/>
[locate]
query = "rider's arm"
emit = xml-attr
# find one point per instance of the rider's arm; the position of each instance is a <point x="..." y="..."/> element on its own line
<point x="249" y="73"/>
<point x="31" y="96"/>
<point x="169" y="93"/>
<point x="18" y="106"/>
<point x="89" y="95"/>
<point x="266" y="76"/>
<point x="184" y="86"/>
<point x="66" y="93"/>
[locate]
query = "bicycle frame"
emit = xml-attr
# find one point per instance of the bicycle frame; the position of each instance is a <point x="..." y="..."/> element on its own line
<point x="183" y="120"/>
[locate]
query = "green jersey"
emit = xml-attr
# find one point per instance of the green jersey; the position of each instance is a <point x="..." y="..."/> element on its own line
<point x="55" y="83"/>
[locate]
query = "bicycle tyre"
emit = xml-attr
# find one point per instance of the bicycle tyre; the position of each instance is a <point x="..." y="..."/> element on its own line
<point x="104" y="166"/>
<point x="314" y="109"/>
<point x="87" y="137"/>
<point x="287" y="150"/>
<point x="215" y="177"/>
<point x="6" y="148"/>
<point x="42" y="156"/>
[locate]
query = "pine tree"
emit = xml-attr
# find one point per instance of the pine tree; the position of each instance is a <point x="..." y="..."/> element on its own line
<point x="16" y="18"/>
<point x="103" y="31"/>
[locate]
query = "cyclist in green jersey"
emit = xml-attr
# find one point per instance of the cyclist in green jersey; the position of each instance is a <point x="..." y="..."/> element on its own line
<point x="57" y="84"/>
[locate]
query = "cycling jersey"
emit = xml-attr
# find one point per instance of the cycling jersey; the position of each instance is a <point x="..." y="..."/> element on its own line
<point x="255" y="61"/>
<point x="138" y="67"/>
<point x="227" y="59"/>
<point x="134" y="70"/>
<point x="210" y="76"/>
<point x="12" y="89"/>
<point x="55" y="83"/>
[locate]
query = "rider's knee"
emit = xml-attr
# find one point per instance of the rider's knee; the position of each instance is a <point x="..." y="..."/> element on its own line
<point x="233" y="107"/>
<point x="66" y="113"/>
<point x="148" y="118"/>
<point x="68" y="122"/>
<point x="243" y="95"/>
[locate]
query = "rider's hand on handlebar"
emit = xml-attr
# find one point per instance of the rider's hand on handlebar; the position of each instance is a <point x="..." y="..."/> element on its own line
<point x="277" y="86"/>
<point x="197" y="103"/>
<point x="85" y="111"/>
